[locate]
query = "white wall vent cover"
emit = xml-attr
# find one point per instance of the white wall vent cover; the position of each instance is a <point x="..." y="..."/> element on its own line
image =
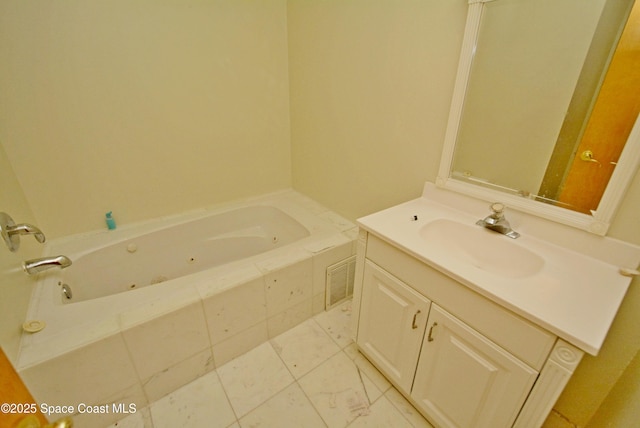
<point x="340" y="278"/>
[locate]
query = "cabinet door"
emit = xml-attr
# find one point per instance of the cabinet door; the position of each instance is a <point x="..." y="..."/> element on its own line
<point x="393" y="318"/>
<point x="465" y="380"/>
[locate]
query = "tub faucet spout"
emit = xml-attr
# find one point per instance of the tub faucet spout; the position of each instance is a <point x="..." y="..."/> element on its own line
<point x="35" y="266"/>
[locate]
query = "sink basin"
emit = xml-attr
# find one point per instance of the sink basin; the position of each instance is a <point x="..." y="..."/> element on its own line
<point x="482" y="248"/>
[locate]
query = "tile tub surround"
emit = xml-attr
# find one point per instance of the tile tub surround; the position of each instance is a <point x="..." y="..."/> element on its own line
<point x="309" y="376"/>
<point x="148" y="351"/>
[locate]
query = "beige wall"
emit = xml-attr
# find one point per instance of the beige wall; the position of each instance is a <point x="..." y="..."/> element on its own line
<point x="142" y="107"/>
<point x="620" y="408"/>
<point x="371" y="85"/>
<point x="155" y="107"/>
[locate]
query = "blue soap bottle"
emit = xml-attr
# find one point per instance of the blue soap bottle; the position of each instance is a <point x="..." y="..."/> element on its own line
<point x="111" y="223"/>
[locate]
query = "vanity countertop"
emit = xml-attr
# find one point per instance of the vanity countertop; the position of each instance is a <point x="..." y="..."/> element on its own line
<point x="574" y="295"/>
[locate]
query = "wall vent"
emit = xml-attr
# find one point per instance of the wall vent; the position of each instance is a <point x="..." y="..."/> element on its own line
<point x="339" y="285"/>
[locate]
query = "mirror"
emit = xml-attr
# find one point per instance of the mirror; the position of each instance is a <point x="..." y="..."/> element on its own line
<point x="530" y="124"/>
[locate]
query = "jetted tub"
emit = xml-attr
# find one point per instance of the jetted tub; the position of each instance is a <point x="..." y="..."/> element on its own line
<point x="163" y="302"/>
<point x="178" y="251"/>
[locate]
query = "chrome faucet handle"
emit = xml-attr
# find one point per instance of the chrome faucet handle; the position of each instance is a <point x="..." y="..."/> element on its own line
<point x="27" y="229"/>
<point x="496" y="221"/>
<point x="497" y="214"/>
<point x="497" y="208"/>
<point x="11" y="232"/>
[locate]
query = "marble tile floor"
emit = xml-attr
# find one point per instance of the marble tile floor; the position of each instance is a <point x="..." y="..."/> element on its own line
<point x="310" y="376"/>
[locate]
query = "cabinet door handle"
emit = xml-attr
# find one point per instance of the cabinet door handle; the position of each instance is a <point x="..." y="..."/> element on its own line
<point x="413" y="324"/>
<point x="430" y="337"/>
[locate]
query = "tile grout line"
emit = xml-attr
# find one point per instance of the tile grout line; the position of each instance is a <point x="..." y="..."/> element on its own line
<point x="226" y="395"/>
<point x="296" y="380"/>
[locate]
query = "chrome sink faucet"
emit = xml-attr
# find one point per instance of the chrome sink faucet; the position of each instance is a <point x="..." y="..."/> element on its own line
<point x="496" y="221"/>
<point x="35" y="266"/>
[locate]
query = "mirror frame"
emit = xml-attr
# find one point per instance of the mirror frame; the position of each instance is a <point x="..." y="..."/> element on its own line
<point x="600" y="219"/>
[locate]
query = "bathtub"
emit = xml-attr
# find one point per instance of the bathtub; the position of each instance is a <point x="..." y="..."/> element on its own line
<point x="147" y="308"/>
<point x="177" y="251"/>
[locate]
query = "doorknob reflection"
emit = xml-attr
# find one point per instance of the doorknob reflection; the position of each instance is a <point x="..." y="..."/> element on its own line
<point x="587" y="156"/>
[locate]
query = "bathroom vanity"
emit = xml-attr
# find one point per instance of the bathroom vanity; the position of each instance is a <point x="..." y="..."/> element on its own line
<point x="474" y="328"/>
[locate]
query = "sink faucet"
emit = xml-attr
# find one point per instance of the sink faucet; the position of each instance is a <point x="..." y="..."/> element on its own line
<point x="496" y="221"/>
<point x="35" y="266"/>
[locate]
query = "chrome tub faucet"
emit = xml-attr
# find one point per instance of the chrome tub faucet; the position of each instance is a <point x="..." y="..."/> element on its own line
<point x="11" y="232"/>
<point x="496" y="221"/>
<point x="27" y="229"/>
<point x="35" y="266"/>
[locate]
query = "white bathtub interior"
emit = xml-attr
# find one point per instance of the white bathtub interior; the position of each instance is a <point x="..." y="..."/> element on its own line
<point x="141" y="344"/>
<point x="177" y="251"/>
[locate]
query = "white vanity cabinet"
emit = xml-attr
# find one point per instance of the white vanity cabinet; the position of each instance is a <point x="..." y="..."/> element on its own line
<point x="462" y="359"/>
<point x="465" y="380"/>
<point x="393" y="320"/>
